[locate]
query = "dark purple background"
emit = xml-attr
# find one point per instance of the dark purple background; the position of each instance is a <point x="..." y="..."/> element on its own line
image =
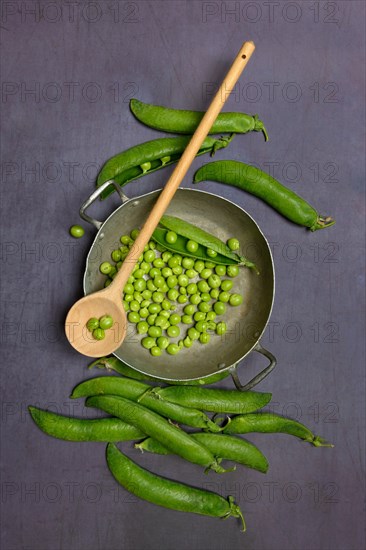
<point x="83" y="62"/>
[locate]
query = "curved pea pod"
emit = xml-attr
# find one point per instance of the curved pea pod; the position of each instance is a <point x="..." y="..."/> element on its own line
<point x="116" y="365"/>
<point x="273" y="423"/>
<point x="262" y="185"/>
<point x="186" y="231"/>
<point x="144" y="394"/>
<point x="150" y="156"/>
<point x="82" y="429"/>
<point x="167" y="493"/>
<point x="226" y="446"/>
<point x="154" y="425"/>
<point x="179" y="121"/>
<point x="215" y="400"/>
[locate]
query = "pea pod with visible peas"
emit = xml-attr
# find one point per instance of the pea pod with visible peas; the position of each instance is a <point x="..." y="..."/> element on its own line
<point x="179" y="121"/>
<point x="273" y="423"/>
<point x="137" y="391"/>
<point x="215" y="400"/>
<point x="150" y="156"/>
<point x="168" y="493"/>
<point x="187" y="232"/>
<point x="262" y="185"/>
<point x="225" y="446"/>
<point x="173" y="438"/>
<point x="82" y="429"/>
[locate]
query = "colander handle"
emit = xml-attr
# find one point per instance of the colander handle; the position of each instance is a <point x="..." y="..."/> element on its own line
<point x="259" y="377"/>
<point x="93" y="197"/>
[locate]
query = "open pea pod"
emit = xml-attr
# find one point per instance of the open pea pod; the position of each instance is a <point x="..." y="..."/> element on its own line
<point x="186" y="231"/>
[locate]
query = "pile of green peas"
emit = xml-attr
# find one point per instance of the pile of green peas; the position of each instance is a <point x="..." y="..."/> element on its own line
<point x="163" y="281"/>
<point x="98" y="326"/>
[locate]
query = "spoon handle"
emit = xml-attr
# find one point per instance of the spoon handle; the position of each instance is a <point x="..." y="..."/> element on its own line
<point x="184" y="163"/>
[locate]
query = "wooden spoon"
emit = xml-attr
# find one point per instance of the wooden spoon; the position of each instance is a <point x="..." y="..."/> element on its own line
<point x="108" y="301"/>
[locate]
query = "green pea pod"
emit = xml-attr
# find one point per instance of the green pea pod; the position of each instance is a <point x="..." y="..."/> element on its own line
<point x="226" y="446"/>
<point x="114" y="364"/>
<point x="82" y="429"/>
<point x="187" y="231"/>
<point x="272" y="423"/>
<point x="262" y="185"/>
<point x="137" y="391"/>
<point x="179" y="121"/>
<point x="154" y="425"/>
<point x="215" y="400"/>
<point x="150" y="156"/>
<point x="168" y="493"/>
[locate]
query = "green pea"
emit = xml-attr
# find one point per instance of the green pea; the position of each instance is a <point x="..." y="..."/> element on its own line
<point x="183" y="280"/>
<point x="215" y="292"/>
<point x="211" y="253"/>
<point x="154" y="331"/>
<point x="155" y="351"/>
<point x="159" y="281"/>
<point x="173" y="331"/>
<point x="160" y="248"/>
<point x="219" y="308"/>
<point x="191" y="273"/>
<point x="128" y="297"/>
<point x="154" y="308"/>
<point x="187" y="319"/>
<point x="154" y="272"/>
<point x="203" y="286"/>
<point x="126" y="239"/>
<point x="159" y="263"/>
<point x="174" y="319"/>
<point x="106" y="322"/>
<point x="107" y="282"/>
<point x="134" y="305"/>
<point x="144" y="312"/>
<point x="145" y="303"/>
<point x="133" y="317"/>
<point x="199" y="316"/>
<point x="191" y="246"/>
<point x="172" y="349"/>
<point x="201" y="326"/>
<point x="166" y="256"/>
<point x="137" y="296"/>
<point x="135" y="233"/>
<point x="164" y="160"/>
<point x="146" y="294"/>
<point x="162" y="322"/>
<point x="166" y="272"/>
<point x="158" y="297"/>
<point x="164" y="288"/>
<point x="149" y="256"/>
<point x="119" y="265"/>
<point x="148" y="342"/>
<point x="142" y="327"/>
<point x="220" y="270"/>
<point x="214" y="281"/>
<point x="124" y="249"/>
<point x="189" y="309"/>
<point x="187" y="262"/>
<point x="139" y="273"/>
<point x="195" y="299"/>
<point x="182" y="299"/>
<point x="226" y="285"/>
<point x="224" y="296"/>
<point x="164" y="313"/>
<point x="179" y="258"/>
<point x="172" y="281"/>
<point x="205" y="338"/>
<point x="98" y="334"/>
<point x="116" y="255"/>
<point x="236" y="300"/>
<point x="205" y="297"/>
<point x="193" y="333"/>
<point x="177" y="270"/>
<point x="206" y="273"/>
<point x="162" y="342"/>
<point x="150" y="285"/>
<point x="112" y="272"/>
<point x="192" y="288"/>
<point x="92" y="324"/>
<point x="173" y="262"/>
<point x="171" y="237"/>
<point x="233" y="244"/>
<point x="210" y="265"/>
<point x="126" y="306"/>
<point x="199" y="265"/>
<point x="151" y="319"/>
<point x="204" y="307"/>
<point x="211" y="315"/>
<point x="140" y="285"/>
<point x="221" y="328"/>
<point x="105" y="268"/>
<point x="76" y="231"/>
<point x="187" y="342"/>
<point x="165" y="304"/>
<point x="232" y="270"/>
<point x="173" y="294"/>
<point x="145" y="267"/>
<point x="211" y="325"/>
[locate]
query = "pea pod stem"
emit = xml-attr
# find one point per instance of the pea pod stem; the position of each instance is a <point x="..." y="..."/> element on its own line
<point x="273" y="423"/>
<point x="180" y="121"/>
<point x="262" y="185"/>
<point x="150" y="156"/>
<point x="168" y="493"/>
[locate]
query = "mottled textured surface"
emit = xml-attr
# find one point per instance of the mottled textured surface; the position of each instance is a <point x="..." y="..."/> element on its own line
<point x="68" y="71"/>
